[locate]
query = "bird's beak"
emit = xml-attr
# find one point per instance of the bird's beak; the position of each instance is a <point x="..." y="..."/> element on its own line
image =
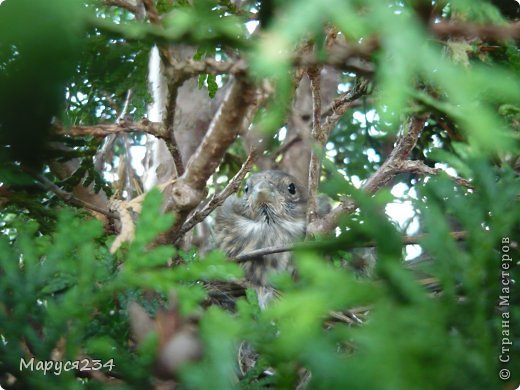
<point x="263" y="193"/>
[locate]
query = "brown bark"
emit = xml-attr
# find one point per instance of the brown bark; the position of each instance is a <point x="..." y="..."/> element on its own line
<point x="189" y="190"/>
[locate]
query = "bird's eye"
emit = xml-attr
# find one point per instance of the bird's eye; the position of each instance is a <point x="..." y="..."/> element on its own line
<point x="246" y="188"/>
<point x="292" y="188"/>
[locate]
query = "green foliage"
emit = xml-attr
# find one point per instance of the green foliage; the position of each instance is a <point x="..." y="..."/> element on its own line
<point x="63" y="293"/>
<point x="203" y="22"/>
<point x="108" y="69"/>
<point x="207" y="79"/>
<point x="35" y="65"/>
<point x="67" y="286"/>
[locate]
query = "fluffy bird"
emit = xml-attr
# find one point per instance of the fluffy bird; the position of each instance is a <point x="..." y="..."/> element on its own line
<point x="272" y="212"/>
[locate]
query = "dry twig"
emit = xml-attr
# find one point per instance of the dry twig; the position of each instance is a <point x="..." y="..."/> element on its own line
<point x="127" y="231"/>
<point x="219" y="198"/>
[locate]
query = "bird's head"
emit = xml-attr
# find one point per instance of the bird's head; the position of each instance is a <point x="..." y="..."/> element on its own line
<point x="275" y="196"/>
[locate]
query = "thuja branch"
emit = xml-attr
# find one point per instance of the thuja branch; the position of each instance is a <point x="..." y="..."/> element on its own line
<point x="191" y="68"/>
<point x="223" y="130"/>
<point x="380" y="178"/>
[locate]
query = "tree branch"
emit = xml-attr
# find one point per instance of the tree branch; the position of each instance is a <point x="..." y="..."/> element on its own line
<point x="48" y="185"/>
<point x="222" y="132"/>
<point x="319" y="138"/>
<point x="286" y="146"/>
<point x="219" y="198"/>
<point x="128" y="5"/>
<point x="191" y="68"/>
<point x="380" y="178"/>
<point x="169" y="120"/>
<point x="340" y="55"/>
<point x="405" y="143"/>
<point x="470" y="30"/>
<point x="419" y="167"/>
<point x="156" y="129"/>
<point x="108" y="143"/>
<point x="233" y="115"/>
<point x="405" y="240"/>
<point x="341" y="104"/>
<point x="175" y="81"/>
<point x="154" y="18"/>
<point x="337" y="57"/>
<point x="320" y="134"/>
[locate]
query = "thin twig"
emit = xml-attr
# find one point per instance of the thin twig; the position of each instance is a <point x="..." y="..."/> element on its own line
<point x="219" y="198"/>
<point x="126" y="104"/>
<point x="285" y="147"/>
<point x="258" y="253"/>
<point x="175" y="81"/>
<point x="420" y="167"/>
<point x="48" y="185"/>
<point x="349" y="318"/>
<point x="342" y="103"/>
<point x="171" y="143"/>
<point x="108" y="142"/>
<point x="319" y="139"/>
<point x="406" y="240"/>
<point x="122" y="4"/>
<point x="156" y="129"/>
<point x="380" y="178"/>
<point x="154" y="18"/>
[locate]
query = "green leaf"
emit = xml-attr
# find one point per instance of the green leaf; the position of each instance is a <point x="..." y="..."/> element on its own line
<point x="212" y="85"/>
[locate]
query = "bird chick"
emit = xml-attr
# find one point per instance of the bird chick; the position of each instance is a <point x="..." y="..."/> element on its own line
<point x="272" y="212"/>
